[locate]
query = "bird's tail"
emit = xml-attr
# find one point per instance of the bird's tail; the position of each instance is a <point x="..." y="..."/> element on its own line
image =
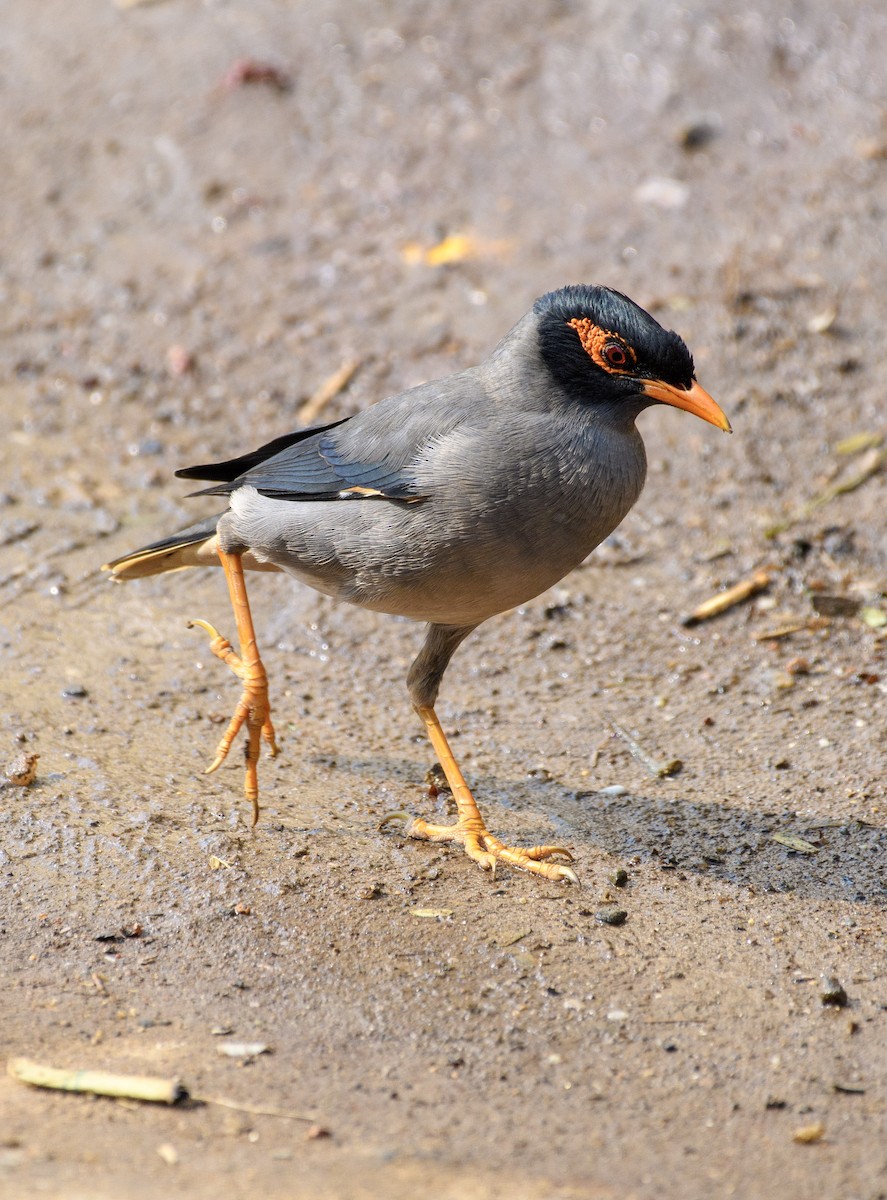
<point x="191" y="547"/>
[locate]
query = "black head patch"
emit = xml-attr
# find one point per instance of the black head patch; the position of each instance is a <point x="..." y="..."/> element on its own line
<point x="594" y="337"/>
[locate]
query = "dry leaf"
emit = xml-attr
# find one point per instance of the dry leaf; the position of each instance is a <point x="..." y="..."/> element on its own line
<point x="457" y="247"/>
<point x="511" y="939"/>
<point x="857" y="442"/>
<point x="808" y="1134"/>
<point x="793" y="842"/>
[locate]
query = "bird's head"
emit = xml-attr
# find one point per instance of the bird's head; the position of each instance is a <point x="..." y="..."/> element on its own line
<point x="603" y="349"/>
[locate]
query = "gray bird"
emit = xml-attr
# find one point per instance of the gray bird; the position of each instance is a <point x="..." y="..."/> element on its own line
<point x="448" y="503"/>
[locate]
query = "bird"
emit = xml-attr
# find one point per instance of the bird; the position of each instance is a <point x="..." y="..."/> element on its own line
<point x="449" y="503"/>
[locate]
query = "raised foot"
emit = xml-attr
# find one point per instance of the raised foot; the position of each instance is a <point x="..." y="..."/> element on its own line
<point x="253" y="710"/>
<point x="486" y="850"/>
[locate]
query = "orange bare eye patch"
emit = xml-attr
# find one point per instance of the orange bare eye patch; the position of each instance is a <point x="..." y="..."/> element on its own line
<point x="604" y="348"/>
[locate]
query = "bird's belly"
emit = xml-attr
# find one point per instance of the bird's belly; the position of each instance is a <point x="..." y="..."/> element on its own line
<point x="456" y="565"/>
<point x="455" y="584"/>
<point x="451" y="601"/>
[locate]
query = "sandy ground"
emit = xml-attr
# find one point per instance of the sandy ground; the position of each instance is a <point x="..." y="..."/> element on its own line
<point x="190" y="249"/>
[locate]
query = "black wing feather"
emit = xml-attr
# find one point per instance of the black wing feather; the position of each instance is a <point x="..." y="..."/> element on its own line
<point x="235" y="467"/>
<point x="308" y="466"/>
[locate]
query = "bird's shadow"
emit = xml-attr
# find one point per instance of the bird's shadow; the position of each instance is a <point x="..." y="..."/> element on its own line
<point x="843" y="860"/>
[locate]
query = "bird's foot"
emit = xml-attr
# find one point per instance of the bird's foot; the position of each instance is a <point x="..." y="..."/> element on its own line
<point x="253" y="710"/>
<point x="486" y="850"/>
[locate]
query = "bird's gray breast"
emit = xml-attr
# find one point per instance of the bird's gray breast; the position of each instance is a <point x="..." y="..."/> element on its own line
<point x="534" y="503"/>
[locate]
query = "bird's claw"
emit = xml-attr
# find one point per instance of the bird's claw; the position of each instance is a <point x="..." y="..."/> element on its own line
<point x="204" y="625"/>
<point x="486" y="850"/>
<point x="253" y="711"/>
<point x="220" y="646"/>
<point x="389" y="818"/>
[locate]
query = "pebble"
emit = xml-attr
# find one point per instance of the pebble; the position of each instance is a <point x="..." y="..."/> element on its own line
<point x="611" y="916"/>
<point x="21" y="770"/>
<point x="662" y="192"/>
<point x="833" y="992"/>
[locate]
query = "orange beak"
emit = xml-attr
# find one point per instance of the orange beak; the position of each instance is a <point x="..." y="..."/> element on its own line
<point x="694" y="400"/>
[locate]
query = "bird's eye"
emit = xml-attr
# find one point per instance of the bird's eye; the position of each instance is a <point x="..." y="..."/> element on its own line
<point x="615" y="355"/>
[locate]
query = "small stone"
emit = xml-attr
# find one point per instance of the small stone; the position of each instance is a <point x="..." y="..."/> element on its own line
<point x="696" y="136"/>
<point x="246" y="1050"/>
<point x="316" y="1132"/>
<point x="436" y="781"/>
<point x="611" y="916"/>
<point x="875" y="618"/>
<point x="21" y="770"/>
<point x="179" y="360"/>
<point x="798" y="666"/>
<point x="833" y="992"/>
<point x="782" y="681"/>
<point x="663" y="192"/>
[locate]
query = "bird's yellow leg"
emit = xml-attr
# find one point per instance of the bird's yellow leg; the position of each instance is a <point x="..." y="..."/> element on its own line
<point x="470" y="829"/>
<point x="253" y="709"/>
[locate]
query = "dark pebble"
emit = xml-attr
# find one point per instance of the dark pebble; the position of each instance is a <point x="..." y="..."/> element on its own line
<point x="696" y="136"/>
<point x="828" y="605"/>
<point x="833" y="992"/>
<point x="611" y="916"/>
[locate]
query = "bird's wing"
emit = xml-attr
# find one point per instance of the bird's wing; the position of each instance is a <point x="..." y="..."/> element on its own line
<point x="235" y="467"/>
<point x="370" y="455"/>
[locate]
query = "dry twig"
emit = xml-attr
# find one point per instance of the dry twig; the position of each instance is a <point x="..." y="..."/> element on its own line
<point x="661" y="768"/>
<point x="730" y="597"/>
<point x="327" y="391"/>
<point x="98" y="1083"/>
